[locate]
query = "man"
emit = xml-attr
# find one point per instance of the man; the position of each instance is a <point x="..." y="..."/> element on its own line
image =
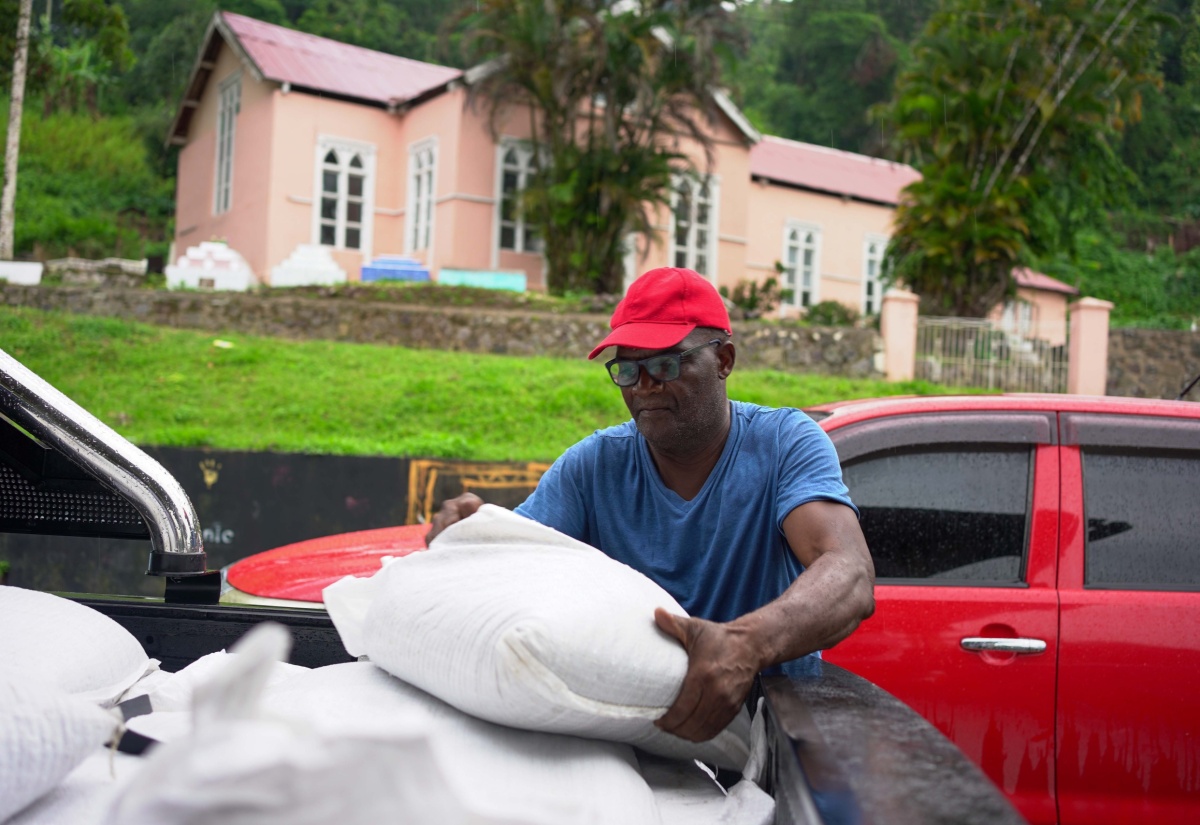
<point x="719" y="502"/>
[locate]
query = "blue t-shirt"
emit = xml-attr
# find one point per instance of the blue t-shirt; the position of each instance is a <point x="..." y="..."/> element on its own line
<point x="720" y="555"/>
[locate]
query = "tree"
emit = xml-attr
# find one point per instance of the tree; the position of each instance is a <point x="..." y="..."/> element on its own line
<point x="1005" y="101"/>
<point x="610" y="88"/>
<point x="12" y="146"/>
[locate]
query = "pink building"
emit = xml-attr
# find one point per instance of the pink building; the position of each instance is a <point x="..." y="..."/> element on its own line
<point x="312" y="158"/>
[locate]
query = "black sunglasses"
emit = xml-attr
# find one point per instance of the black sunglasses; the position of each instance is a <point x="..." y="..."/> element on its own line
<point x="665" y="367"/>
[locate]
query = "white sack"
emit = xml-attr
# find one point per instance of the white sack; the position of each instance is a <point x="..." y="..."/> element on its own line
<point x="495" y="771"/>
<point x="174" y="691"/>
<point x="513" y="622"/>
<point x="239" y="766"/>
<point x="44" y="734"/>
<point x="68" y="645"/>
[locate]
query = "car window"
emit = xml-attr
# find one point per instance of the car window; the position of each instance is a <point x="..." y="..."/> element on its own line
<point x="945" y="515"/>
<point x="1141" y="519"/>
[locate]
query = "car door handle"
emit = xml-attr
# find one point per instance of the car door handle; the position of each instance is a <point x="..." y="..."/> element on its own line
<point x="995" y="645"/>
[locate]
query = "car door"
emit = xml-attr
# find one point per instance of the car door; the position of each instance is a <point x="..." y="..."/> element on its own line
<point x="1129" y="655"/>
<point x="960" y="513"/>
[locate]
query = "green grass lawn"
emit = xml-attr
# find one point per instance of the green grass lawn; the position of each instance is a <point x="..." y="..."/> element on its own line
<point x="168" y="387"/>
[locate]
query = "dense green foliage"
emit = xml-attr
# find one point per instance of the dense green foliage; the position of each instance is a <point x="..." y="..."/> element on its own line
<point x="88" y="188"/>
<point x="810" y="70"/>
<point x="180" y="388"/>
<point x="605" y="87"/>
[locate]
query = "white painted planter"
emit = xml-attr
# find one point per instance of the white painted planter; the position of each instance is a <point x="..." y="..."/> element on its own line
<point x="27" y="273"/>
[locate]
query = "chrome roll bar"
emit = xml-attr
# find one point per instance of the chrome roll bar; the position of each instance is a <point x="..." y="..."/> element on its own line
<point x="177" y="547"/>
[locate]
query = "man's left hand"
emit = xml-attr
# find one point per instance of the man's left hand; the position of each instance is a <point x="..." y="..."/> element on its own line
<point x="721" y="670"/>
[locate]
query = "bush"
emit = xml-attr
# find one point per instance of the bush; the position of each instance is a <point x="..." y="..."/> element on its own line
<point x="831" y="314"/>
<point x="755" y="299"/>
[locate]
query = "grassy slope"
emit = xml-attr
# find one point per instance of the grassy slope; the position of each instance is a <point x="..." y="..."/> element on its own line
<point x="163" y="386"/>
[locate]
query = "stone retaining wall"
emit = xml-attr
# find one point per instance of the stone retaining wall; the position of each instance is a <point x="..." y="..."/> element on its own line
<point x="1152" y="363"/>
<point x="833" y="351"/>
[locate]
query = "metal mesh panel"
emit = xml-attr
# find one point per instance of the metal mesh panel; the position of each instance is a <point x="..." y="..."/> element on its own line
<point x="29" y="509"/>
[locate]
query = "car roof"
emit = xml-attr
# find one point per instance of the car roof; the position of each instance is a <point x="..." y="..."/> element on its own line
<point x="839" y="413"/>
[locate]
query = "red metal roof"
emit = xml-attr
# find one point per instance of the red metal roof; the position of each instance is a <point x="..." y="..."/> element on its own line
<point x="830" y="170"/>
<point x="312" y="62"/>
<point x="1035" y="280"/>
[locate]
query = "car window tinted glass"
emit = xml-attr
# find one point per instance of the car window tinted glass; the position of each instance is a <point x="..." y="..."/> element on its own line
<point x="1142" y="527"/>
<point x="945" y="515"/>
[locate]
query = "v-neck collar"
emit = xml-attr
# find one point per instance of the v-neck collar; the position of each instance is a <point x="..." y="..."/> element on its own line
<point x="673" y="498"/>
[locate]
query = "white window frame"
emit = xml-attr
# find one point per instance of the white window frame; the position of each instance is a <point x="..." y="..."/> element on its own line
<point x="520" y="226"/>
<point x="228" y="106"/>
<point x="422" y="196"/>
<point x="814" y="293"/>
<point x="872" y="300"/>
<point x="689" y="254"/>
<point x="345" y="149"/>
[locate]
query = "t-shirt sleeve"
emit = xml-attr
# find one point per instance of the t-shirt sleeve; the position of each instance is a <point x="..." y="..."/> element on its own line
<point x="808" y="466"/>
<point x="558" y="499"/>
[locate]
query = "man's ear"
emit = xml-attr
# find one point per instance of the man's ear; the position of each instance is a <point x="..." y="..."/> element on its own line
<point x="726" y="356"/>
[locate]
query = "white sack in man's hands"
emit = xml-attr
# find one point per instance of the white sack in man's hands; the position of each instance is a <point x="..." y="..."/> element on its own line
<point x="513" y="622"/>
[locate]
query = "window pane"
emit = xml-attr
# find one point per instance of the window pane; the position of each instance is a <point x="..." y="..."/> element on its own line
<point x="508" y="210"/>
<point x="331" y="157"/>
<point x="531" y="241"/>
<point x="702" y="264"/>
<point x="701" y="213"/>
<point x="327" y="234"/>
<point x="356" y="162"/>
<point x="944" y="515"/>
<point x="510" y="158"/>
<point x="701" y="239"/>
<point x="329" y="182"/>
<point x="1141" y="520"/>
<point x="681" y="258"/>
<point x="354" y="212"/>
<point x="329" y="208"/>
<point x="510" y="183"/>
<point x="352" y="238"/>
<point x="508" y="237"/>
<point x="356" y="185"/>
<point x="681" y="235"/>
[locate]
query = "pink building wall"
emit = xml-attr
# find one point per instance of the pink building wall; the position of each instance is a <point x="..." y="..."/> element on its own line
<point x="844" y="225"/>
<point x="245" y="225"/>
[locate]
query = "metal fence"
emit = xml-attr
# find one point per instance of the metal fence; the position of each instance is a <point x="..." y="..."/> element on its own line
<point x="971" y="352"/>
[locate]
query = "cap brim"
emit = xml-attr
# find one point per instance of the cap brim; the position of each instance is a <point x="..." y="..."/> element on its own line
<point x="644" y="336"/>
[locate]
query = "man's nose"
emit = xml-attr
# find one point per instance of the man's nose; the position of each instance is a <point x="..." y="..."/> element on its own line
<point x="645" y="382"/>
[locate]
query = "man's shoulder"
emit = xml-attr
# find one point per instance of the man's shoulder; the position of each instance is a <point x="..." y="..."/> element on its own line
<point x="757" y="415"/>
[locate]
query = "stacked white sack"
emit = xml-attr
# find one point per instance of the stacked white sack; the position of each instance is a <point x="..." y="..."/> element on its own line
<point x="68" y="645"/>
<point x="243" y="765"/>
<point x="515" y="623"/>
<point x="44" y="734"/>
<point x="496" y="771"/>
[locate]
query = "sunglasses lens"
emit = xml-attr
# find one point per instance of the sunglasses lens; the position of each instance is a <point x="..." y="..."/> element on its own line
<point x="624" y="373"/>
<point x="663" y="367"/>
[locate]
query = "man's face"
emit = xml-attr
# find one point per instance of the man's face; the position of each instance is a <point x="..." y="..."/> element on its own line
<point x="679" y="416"/>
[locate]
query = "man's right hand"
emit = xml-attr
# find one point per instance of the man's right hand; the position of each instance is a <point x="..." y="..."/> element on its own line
<point x="455" y="509"/>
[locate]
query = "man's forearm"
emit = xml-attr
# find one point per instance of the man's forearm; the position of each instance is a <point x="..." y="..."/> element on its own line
<point x="820" y="608"/>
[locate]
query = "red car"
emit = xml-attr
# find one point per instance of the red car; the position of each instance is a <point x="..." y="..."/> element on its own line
<point x="1038" y="598"/>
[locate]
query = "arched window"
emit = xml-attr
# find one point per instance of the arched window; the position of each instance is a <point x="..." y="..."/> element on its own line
<point x="873" y="253"/>
<point x="800" y="269"/>
<point x="692" y="230"/>
<point x="230" y="104"/>
<point x="422" y="162"/>
<point x="344" y="208"/>
<point x="517" y="167"/>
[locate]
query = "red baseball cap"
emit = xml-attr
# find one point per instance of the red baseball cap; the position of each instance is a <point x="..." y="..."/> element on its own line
<point x="662" y="308"/>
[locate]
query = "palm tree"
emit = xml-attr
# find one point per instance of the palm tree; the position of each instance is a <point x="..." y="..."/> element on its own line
<point x="12" y="146"/>
<point x="609" y="88"/>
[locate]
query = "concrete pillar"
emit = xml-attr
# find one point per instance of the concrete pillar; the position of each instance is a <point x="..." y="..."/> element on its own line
<point x="898" y="326"/>
<point x="1087" y="351"/>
